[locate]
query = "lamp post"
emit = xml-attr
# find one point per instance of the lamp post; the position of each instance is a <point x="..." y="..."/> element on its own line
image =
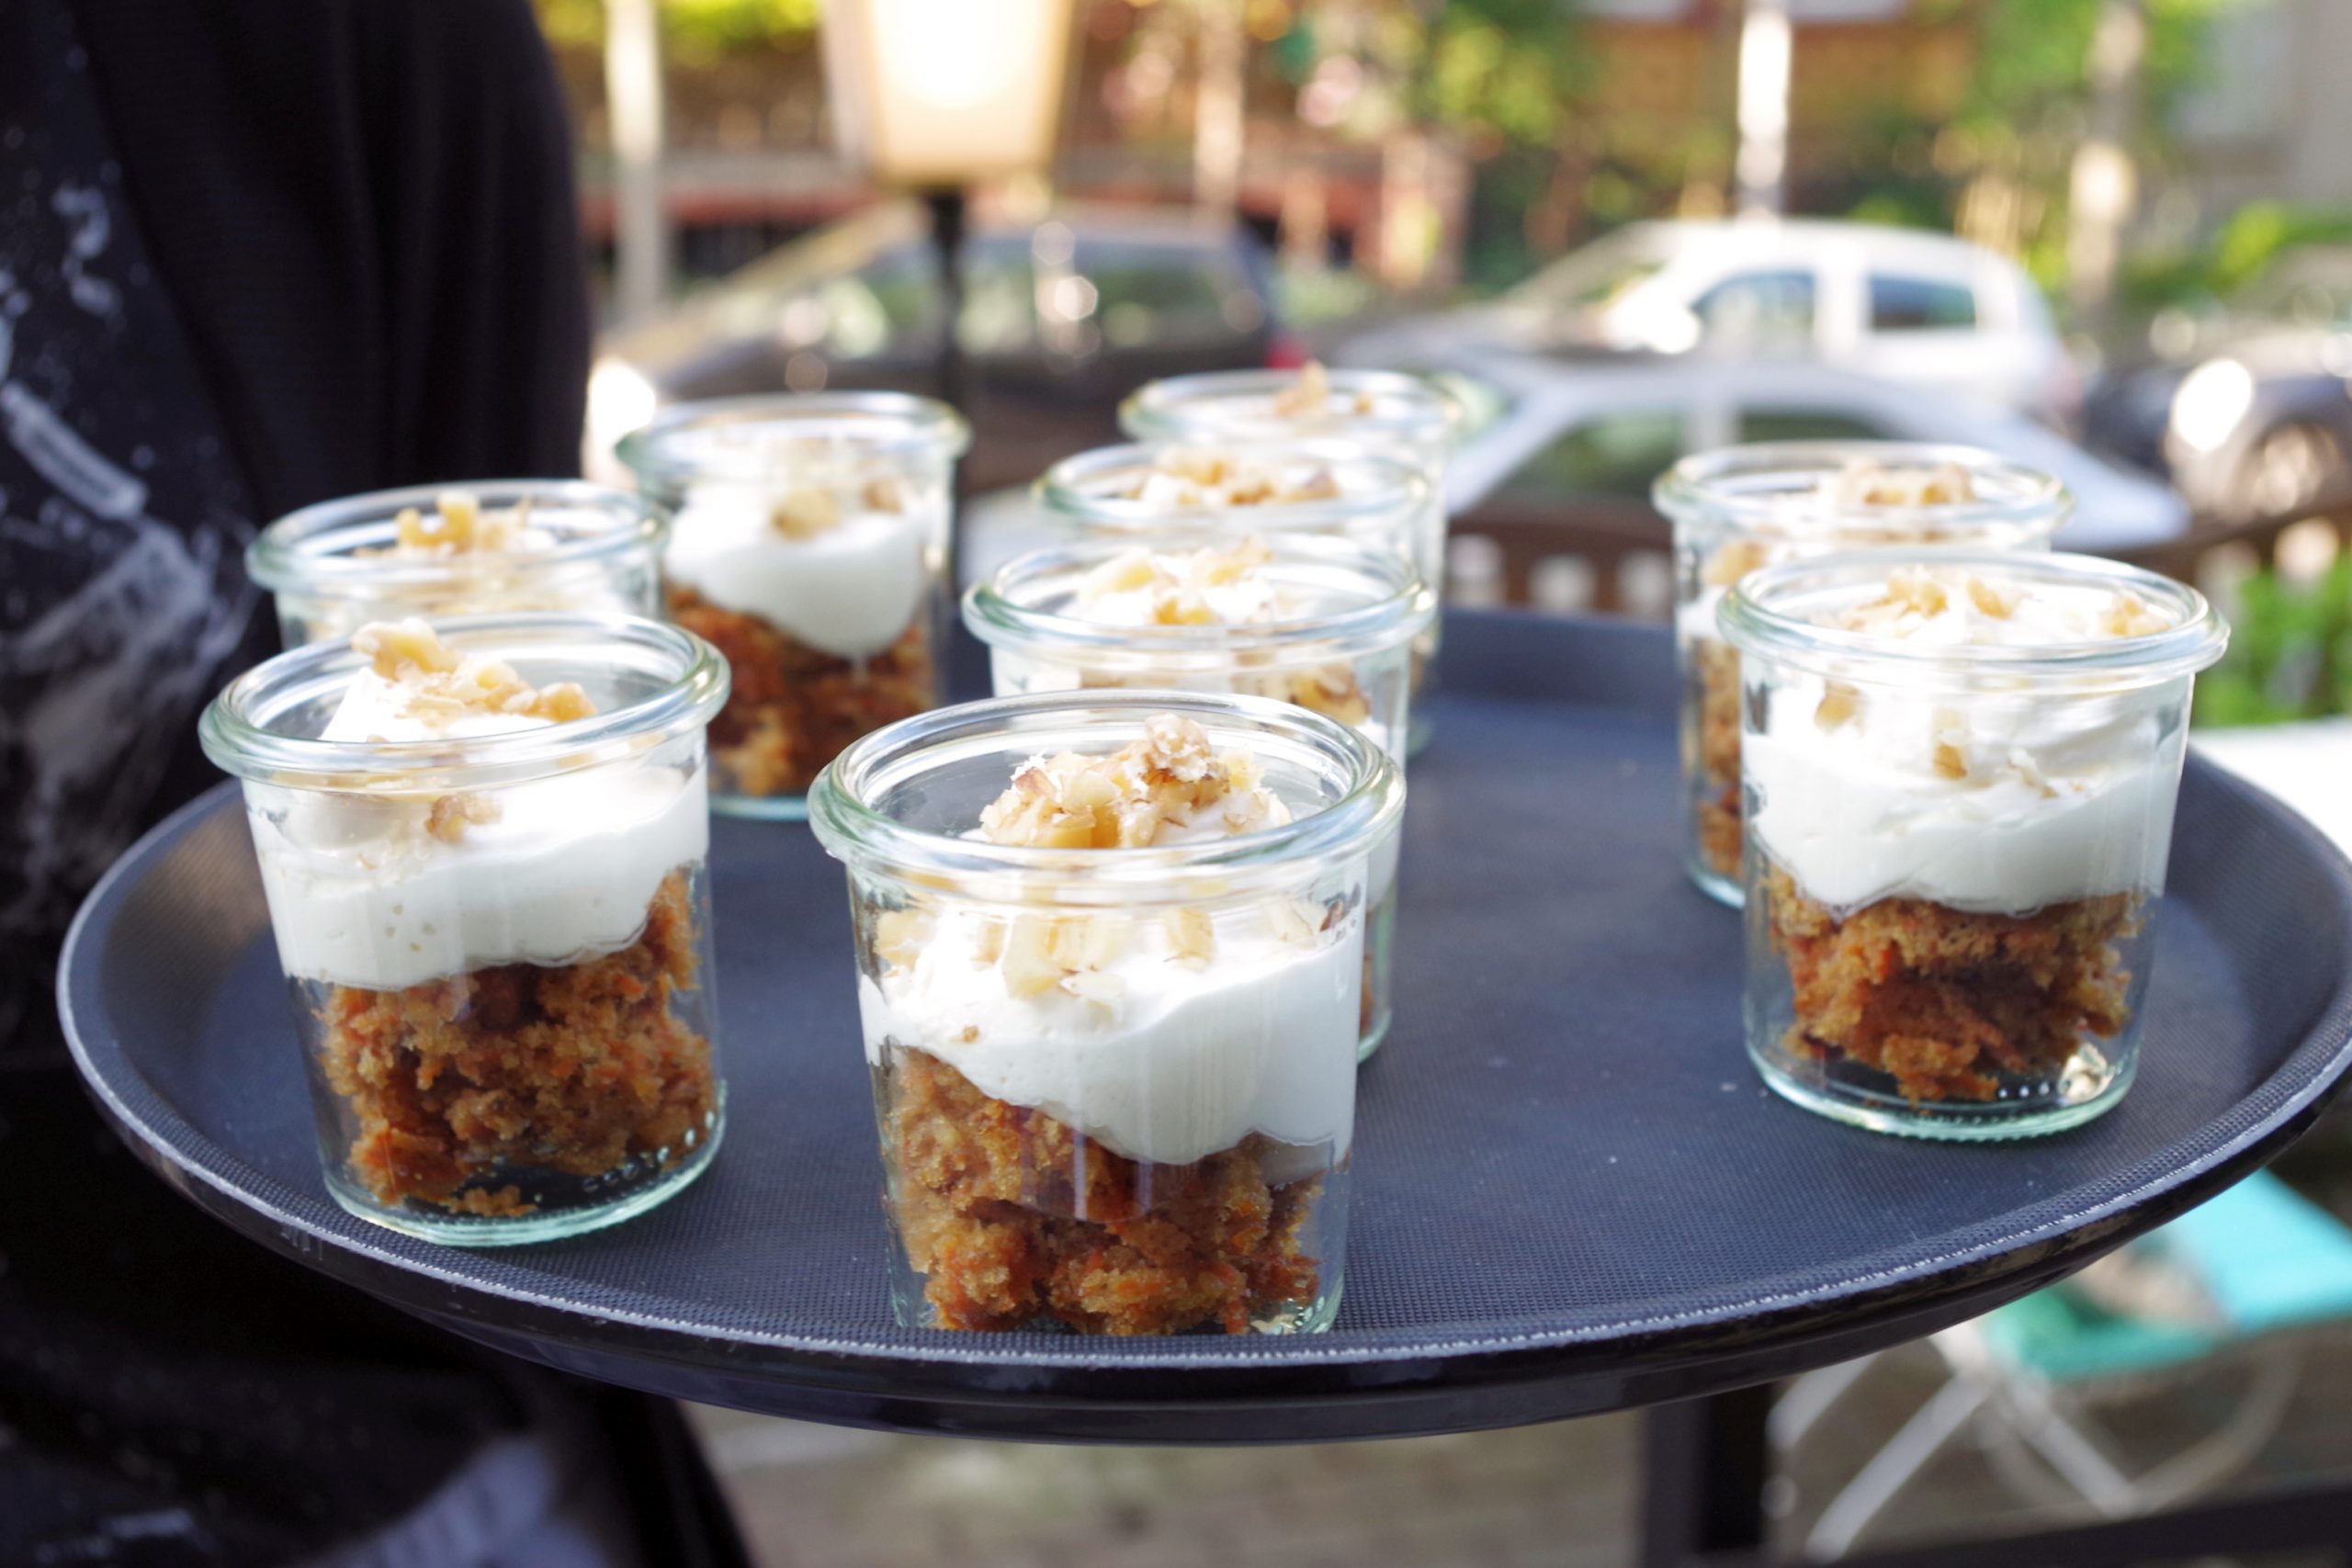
<point x="934" y="96"/>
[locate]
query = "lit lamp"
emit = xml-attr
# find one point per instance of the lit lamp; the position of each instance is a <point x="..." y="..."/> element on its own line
<point x="935" y="94"/>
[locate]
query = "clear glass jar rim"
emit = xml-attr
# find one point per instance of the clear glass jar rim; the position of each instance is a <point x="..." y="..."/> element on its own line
<point x="855" y="832"/>
<point x="236" y="734"/>
<point x="1169" y="409"/>
<point x="1701" y="487"/>
<point x="894" y="421"/>
<point x="1751" y="620"/>
<point x="1400" y="491"/>
<point x="292" y="553"/>
<point x="1400" y="607"/>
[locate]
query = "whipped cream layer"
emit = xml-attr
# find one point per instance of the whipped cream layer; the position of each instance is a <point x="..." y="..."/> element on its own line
<point x="1167" y="1034"/>
<point x="1179" y="1063"/>
<point x="850" y="589"/>
<point x="376" y="892"/>
<point x="1989" y="800"/>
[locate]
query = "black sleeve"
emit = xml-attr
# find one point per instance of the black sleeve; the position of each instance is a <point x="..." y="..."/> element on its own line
<point x="364" y="211"/>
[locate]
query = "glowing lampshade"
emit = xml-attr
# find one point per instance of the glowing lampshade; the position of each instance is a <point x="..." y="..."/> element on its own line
<point x="946" y="92"/>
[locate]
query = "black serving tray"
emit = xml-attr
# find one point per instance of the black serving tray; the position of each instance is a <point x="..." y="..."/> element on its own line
<point x="1572" y="1194"/>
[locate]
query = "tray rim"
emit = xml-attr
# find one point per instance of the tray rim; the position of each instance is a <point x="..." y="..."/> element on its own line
<point x="1719" y="1347"/>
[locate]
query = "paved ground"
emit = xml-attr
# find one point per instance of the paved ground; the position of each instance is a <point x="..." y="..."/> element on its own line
<point x="1560" y="1496"/>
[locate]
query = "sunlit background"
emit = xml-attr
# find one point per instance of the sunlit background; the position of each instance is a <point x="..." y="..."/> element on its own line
<point x="2110" y="238"/>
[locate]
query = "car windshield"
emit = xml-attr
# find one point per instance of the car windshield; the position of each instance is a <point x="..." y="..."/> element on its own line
<point x="1592" y="278"/>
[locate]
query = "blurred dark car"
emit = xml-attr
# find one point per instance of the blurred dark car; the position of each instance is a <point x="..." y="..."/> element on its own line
<point x="2250" y="412"/>
<point x="1063" y="316"/>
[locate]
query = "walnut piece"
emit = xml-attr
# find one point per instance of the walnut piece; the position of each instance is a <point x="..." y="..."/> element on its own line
<point x="805" y="511"/>
<point x="1840" y="702"/>
<point x="439" y="685"/>
<point x="460" y="527"/>
<point x="450" y="815"/>
<point x="1190" y="479"/>
<point x="1874" y="484"/>
<point x="1311" y="394"/>
<point x="1951" y="735"/>
<point x="1121" y="801"/>
<point x="2125" y="615"/>
<point x="900" y="935"/>
<point x="1178" y="585"/>
<point x="1733" y="560"/>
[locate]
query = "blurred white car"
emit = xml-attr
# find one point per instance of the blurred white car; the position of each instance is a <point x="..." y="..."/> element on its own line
<point x="1925" y="310"/>
<point x="1594" y="432"/>
<point x="1607" y="426"/>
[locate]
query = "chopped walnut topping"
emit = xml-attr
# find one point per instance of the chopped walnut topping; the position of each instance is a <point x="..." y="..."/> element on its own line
<point x="1121" y="801"/>
<point x="1330" y="690"/>
<point x="1042" y="952"/>
<point x="459" y="526"/>
<point x="1732" y="561"/>
<point x="439" y="685"/>
<point x="1311" y="394"/>
<point x="450" y="815"/>
<point x="1191" y="935"/>
<point x="1950" y="759"/>
<point x="1190" y="478"/>
<point x="2125" y="615"/>
<point x="1291" y="923"/>
<point x="884" y="494"/>
<point x="805" y="511"/>
<point x="1873" y="484"/>
<point x="1840" y="702"/>
<point x="1178" y="585"/>
<point x="1306" y="395"/>
<point x="900" y="935"/>
<point x="1991" y="600"/>
<point x="1910" y="591"/>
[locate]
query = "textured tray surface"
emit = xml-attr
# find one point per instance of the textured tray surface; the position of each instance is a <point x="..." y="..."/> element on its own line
<point x="1571" y="1189"/>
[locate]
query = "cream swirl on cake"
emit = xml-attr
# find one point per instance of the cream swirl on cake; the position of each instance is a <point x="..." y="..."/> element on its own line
<point x="385" y="891"/>
<point x="2005" y="802"/>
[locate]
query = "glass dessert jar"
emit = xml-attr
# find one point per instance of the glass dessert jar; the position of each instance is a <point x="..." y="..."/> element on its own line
<point x="1383" y="411"/>
<point x="1738" y="508"/>
<point x="1173" y="497"/>
<point x="1324" y="623"/>
<point x="1960" y="769"/>
<point x="1108" y="953"/>
<point x="473" y="549"/>
<point x="809" y="546"/>
<point x="483" y="844"/>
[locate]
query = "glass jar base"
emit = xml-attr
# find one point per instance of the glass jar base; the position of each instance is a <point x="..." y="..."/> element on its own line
<point x="760" y="807"/>
<point x="1372" y="1037"/>
<point x="910" y="1308"/>
<point x="486" y="1230"/>
<point x="1879" y="1110"/>
<point x="1728" y="891"/>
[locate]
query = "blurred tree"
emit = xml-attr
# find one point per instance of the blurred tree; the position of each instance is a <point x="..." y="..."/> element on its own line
<point x="693" y="32"/>
<point x="2009" y="156"/>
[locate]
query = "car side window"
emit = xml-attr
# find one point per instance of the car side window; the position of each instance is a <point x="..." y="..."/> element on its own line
<point x="1920" y="304"/>
<point x="1807" y="424"/>
<point x="1619" y="453"/>
<point x="1758" y="306"/>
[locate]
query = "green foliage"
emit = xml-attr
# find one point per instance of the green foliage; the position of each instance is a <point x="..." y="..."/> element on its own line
<point x="1505" y="69"/>
<point x="693" y="31"/>
<point x="2290" y="653"/>
<point x="2257" y="231"/>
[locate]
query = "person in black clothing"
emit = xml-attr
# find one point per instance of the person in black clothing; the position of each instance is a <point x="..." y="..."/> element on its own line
<point x="253" y="254"/>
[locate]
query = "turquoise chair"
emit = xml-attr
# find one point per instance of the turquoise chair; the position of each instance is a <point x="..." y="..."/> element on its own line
<point x="2245" y="1276"/>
